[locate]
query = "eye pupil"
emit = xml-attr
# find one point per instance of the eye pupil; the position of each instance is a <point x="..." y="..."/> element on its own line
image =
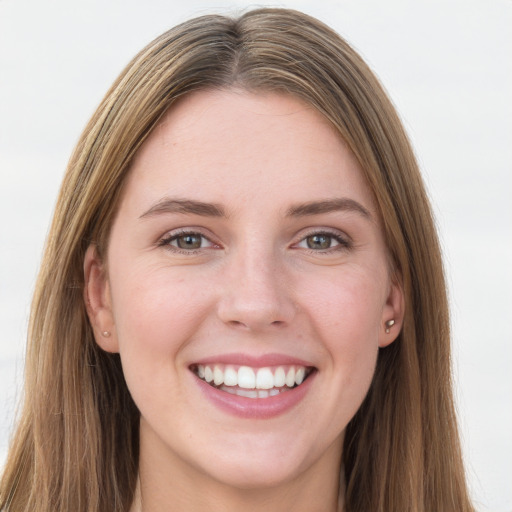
<point x="319" y="241"/>
<point x="189" y="242"/>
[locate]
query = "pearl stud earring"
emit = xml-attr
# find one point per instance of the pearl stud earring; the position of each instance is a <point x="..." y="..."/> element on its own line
<point x="389" y="324"/>
<point x="106" y="334"/>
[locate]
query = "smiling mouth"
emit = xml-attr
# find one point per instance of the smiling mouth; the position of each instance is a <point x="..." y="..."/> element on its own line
<point x="251" y="382"/>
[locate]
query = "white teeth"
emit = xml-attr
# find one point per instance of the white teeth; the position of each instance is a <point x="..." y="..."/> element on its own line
<point x="264" y="379"/>
<point x="251" y="393"/>
<point x="218" y="376"/>
<point x="264" y="382"/>
<point x="246" y="377"/>
<point x="279" y="377"/>
<point x="248" y="393"/>
<point x="208" y="374"/>
<point x="290" y="377"/>
<point x="230" y="390"/>
<point x="230" y="376"/>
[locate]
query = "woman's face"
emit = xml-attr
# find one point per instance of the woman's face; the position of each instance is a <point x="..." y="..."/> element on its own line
<point x="246" y="249"/>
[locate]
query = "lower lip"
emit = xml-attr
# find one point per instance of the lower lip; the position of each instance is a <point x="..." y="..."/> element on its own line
<point x="256" y="408"/>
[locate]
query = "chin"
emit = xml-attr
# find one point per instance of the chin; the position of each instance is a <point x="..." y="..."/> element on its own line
<point x="248" y="475"/>
<point x="264" y="463"/>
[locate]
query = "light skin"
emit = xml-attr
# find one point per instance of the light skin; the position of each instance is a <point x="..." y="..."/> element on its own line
<point x="283" y="253"/>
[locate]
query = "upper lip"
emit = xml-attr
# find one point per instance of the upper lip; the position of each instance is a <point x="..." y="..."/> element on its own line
<point x="260" y="361"/>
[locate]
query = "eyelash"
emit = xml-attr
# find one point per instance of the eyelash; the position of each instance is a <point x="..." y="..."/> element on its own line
<point x="343" y="242"/>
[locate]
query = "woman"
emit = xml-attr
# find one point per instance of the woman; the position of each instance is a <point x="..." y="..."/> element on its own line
<point x="242" y="302"/>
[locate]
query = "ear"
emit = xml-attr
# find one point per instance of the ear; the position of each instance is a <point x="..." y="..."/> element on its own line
<point x="98" y="301"/>
<point x="392" y="314"/>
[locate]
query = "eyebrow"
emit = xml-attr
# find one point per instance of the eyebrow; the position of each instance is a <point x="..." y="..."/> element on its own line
<point x="190" y="206"/>
<point x="175" y="205"/>
<point x="328" y="206"/>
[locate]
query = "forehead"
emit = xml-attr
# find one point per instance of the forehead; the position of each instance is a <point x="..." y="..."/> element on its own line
<point x="220" y="145"/>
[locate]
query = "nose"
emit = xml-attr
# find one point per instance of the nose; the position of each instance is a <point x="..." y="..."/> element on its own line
<point x="256" y="293"/>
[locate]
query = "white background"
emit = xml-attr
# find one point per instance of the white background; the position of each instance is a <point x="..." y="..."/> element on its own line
<point x="447" y="65"/>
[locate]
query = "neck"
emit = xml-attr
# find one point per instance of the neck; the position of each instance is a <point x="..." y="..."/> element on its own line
<point x="254" y="500"/>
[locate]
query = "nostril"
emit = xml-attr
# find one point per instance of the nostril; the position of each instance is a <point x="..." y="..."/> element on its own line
<point x="238" y="323"/>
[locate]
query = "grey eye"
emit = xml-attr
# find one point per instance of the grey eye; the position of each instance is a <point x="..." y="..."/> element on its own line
<point x="319" y="241"/>
<point x="188" y="241"/>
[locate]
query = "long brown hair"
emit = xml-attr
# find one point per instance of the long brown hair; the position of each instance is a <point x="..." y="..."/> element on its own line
<point x="76" y="445"/>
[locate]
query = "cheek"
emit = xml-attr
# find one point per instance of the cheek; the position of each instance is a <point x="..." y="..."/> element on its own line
<point x="156" y="314"/>
<point x="346" y="315"/>
<point x="156" y="310"/>
<point x="347" y="308"/>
